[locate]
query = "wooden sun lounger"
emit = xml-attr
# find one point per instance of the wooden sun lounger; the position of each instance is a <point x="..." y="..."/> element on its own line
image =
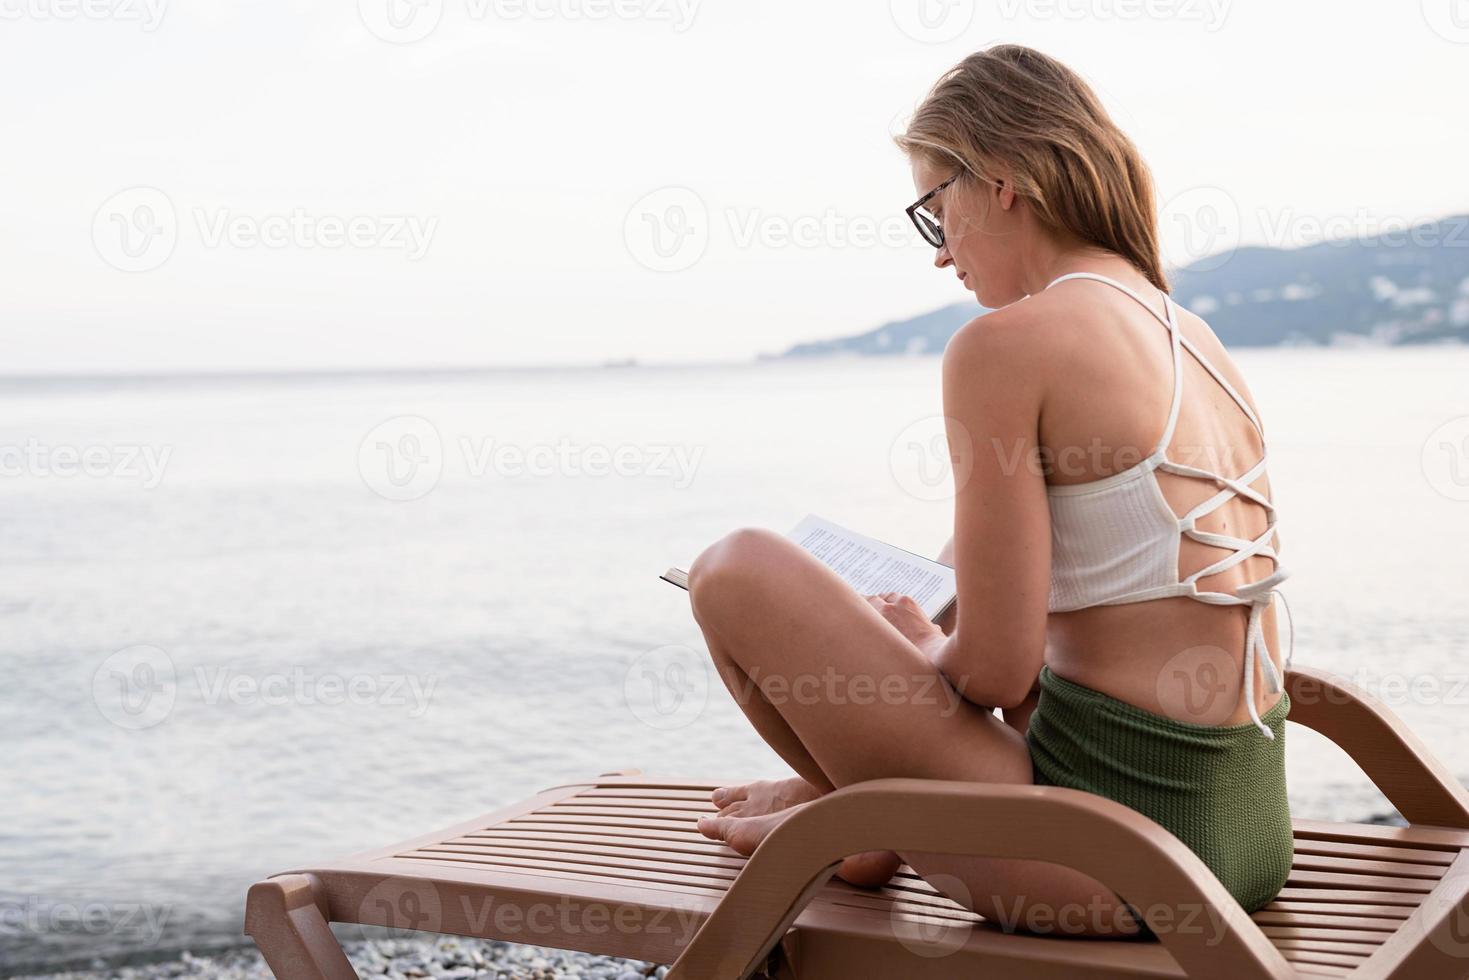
<point x="615" y="866"/>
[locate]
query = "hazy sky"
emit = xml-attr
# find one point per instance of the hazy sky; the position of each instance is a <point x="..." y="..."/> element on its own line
<point x="225" y="184"/>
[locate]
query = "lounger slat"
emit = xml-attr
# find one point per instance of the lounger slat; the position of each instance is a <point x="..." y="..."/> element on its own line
<point x="1358" y="950"/>
<point x="1322" y="958"/>
<point x="581" y="873"/>
<point x="658" y="833"/>
<point x="621" y="792"/>
<point x="1409" y="900"/>
<point x="1361" y="882"/>
<point x="618" y="812"/>
<point x="1314" y="862"/>
<point x="1367" y="939"/>
<point x="730" y="861"/>
<point x="616" y="802"/>
<point x="670" y="827"/>
<point x="1316" y="970"/>
<point x="1431" y="838"/>
<point x="1378" y="852"/>
<point x="590" y="860"/>
<point x="651" y="843"/>
<point x="1341" y="908"/>
<point x="1346" y="922"/>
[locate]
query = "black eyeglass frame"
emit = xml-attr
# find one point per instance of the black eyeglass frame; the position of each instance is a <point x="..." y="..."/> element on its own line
<point x="931" y="230"/>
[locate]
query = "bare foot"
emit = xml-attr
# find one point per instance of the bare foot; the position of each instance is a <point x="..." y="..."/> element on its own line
<point x="751" y="811"/>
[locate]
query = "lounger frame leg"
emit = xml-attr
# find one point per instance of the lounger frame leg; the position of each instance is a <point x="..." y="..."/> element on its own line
<point x="287" y="917"/>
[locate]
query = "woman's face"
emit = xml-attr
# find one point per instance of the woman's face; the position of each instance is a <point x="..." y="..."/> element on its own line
<point x="980" y="232"/>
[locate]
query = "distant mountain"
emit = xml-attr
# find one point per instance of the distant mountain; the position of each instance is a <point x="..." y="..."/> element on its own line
<point x="1408" y="287"/>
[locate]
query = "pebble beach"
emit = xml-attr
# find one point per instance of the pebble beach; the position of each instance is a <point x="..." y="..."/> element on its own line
<point x="438" y="958"/>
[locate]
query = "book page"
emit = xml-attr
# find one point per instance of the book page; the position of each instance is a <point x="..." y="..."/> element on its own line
<point x="872" y="567"/>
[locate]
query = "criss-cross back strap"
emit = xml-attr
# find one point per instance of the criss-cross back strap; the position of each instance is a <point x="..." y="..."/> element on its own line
<point x="1257" y="595"/>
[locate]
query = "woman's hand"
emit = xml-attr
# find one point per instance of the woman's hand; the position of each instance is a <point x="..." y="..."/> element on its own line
<point x="908" y="617"/>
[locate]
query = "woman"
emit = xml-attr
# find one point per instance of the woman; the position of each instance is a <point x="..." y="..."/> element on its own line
<point x="1113" y="539"/>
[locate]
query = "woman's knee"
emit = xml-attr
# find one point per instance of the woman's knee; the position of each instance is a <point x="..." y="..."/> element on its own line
<point x="724" y="570"/>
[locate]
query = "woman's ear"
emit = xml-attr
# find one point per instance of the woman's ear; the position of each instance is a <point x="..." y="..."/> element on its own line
<point x="1005" y="192"/>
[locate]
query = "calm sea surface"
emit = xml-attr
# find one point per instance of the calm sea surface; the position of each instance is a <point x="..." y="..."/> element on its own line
<point x="227" y="650"/>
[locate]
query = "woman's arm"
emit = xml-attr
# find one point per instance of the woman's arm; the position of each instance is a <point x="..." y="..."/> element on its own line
<point x="993" y="371"/>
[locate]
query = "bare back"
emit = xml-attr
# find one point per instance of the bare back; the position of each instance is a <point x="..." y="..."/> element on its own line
<point x="1104" y="409"/>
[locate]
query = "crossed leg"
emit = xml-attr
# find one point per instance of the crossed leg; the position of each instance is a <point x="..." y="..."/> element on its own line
<point x="843" y="697"/>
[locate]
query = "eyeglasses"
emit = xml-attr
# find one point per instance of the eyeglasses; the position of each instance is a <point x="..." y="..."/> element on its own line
<point x="925" y="221"/>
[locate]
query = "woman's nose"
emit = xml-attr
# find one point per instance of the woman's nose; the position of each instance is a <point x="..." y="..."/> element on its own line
<point x="942" y="259"/>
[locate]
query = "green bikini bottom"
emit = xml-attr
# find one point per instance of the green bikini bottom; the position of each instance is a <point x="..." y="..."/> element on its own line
<point x="1219" y="790"/>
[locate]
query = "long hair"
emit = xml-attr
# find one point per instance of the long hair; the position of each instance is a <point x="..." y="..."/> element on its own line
<point x="1011" y="109"/>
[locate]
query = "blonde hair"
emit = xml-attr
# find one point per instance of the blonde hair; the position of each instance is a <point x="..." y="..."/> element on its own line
<point x="1010" y="109"/>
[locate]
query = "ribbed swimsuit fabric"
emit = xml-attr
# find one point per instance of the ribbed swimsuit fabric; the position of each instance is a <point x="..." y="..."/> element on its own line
<point x="1220" y="790"/>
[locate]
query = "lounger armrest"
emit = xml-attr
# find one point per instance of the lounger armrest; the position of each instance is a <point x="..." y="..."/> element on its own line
<point x="1418" y="784"/>
<point x="1150" y="868"/>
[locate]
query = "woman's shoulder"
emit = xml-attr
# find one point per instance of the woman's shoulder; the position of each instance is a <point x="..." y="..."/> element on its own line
<point x="1035" y="335"/>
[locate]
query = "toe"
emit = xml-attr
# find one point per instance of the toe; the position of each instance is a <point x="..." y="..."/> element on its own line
<point x="714" y="828"/>
<point x="725" y="795"/>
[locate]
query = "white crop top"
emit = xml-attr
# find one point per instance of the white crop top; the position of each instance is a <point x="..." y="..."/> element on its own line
<point x="1116" y="540"/>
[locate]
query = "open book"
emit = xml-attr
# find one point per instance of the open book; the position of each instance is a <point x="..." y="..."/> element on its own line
<point x="867" y="565"/>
